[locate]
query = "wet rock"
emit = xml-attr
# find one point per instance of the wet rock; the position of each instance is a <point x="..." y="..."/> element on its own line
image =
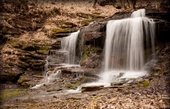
<point x="91" y="88"/>
<point x="38" y="65"/>
<point x="56" y="45"/>
<point x="61" y="32"/>
<point x="118" y="83"/>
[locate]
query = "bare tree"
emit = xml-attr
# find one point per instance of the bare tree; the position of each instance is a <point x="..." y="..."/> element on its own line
<point x="123" y="2"/>
<point x="95" y="1"/>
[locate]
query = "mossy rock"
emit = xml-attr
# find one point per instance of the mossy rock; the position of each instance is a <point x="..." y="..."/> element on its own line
<point x="9" y="32"/>
<point x="26" y="59"/>
<point x="17" y="44"/>
<point x="38" y="65"/>
<point x="11" y="73"/>
<point x="89" y="16"/>
<point x="31" y="57"/>
<point x="60" y="30"/>
<point x="70" y="86"/>
<point x="8" y="93"/>
<point x="75" y="84"/>
<point x="64" y="24"/>
<point x="36" y="45"/>
<point x="22" y="79"/>
<point x="43" y="50"/>
<point x="31" y="47"/>
<point x="35" y="56"/>
<point x="86" y="22"/>
<point x="85" y="55"/>
<point x="144" y="83"/>
<point x="23" y="65"/>
<point x="34" y="61"/>
<point x="88" y="50"/>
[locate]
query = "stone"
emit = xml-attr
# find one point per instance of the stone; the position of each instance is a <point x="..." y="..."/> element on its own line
<point x="91" y="88"/>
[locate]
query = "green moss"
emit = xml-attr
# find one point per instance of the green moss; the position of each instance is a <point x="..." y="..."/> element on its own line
<point x="89" y="16"/>
<point x="60" y="30"/>
<point x="36" y="41"/>
<point x="94" y="49"/>
<point x="78" y="83"/>
<point x="71" y="86"/>
<point x="10" y="93"/>
<point x="23" y="64"/>
<point x="86" y="22"/>
<point x="25" y="58"/>
<point x="43" y="49"/>
<point x="10" y="73"/>
<point x="16" y="44"/>
<point x="95" y="97"/>
<point x="6" y="65"/>
<point x="138" y="84"/>
<point x="21" y="79"/>
<point x="85" y="55"/>
<point x="88" y="50"/>
<point x="59" y="22"/>
<point x="144" y="83"/>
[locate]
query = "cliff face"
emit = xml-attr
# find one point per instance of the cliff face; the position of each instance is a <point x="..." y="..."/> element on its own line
<point x="93" y="36"/>
<point x="29" y="29"/>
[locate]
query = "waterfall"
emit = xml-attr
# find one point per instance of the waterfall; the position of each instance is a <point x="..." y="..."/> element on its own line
<point x="125" y="43"/>
<point x="124" y="55"/>
<point x="68" y="44"/>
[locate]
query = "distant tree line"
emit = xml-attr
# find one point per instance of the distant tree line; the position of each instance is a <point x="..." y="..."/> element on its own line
<point x="123" y="2"/>
<point x="14" y="5"/>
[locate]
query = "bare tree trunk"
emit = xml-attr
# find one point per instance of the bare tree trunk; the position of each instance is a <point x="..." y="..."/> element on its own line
<point x="134" y="3"/>
<point x="95" y="1"/>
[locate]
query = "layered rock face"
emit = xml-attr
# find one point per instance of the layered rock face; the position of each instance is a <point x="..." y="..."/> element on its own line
<point x="93" y="36"/>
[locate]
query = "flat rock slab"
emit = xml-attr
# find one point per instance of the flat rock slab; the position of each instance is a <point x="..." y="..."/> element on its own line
<point x="91" y="88"/>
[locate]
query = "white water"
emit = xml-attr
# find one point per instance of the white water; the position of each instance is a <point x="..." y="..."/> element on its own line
<point x="53" y="75"/>
<point x="46" y="65"/>
<point x="124" y="47"/>
<point x="68" y="44"/>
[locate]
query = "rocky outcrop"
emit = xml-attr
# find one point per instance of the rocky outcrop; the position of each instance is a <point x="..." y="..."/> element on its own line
<point x="93" y="36"/>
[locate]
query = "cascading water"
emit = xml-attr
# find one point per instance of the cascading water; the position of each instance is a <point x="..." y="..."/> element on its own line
<point x="68" y="44"/>
<point x="124" y="46"/>
<point x="124" y="56"/>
